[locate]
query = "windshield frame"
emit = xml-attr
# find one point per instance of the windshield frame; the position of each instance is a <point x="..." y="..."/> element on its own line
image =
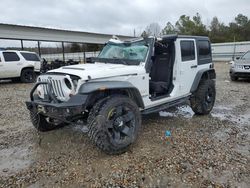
<point x="121" y="60"/>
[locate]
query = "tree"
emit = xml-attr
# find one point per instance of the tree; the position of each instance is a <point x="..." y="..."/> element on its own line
<point x="184" y="25"/>
<point x="200" y="28"/>
<point x="93" y="47"/>
<point x="153" y="29"/>
<point x="168" y="29"/>
<point x="241" y="20"/>
<point x="75" y="47"/>
<point x="144" y="34"/>
<point x="243" y="27"/>
<point x="218" y="31"/>
<point x="215" y="25"/>
<point x="194" y="26"/>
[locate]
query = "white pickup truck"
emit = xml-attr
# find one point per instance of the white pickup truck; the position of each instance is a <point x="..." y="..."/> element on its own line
<point x="19" y="65"/>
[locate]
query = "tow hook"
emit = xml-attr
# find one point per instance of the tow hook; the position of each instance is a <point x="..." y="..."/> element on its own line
<point x="41" y="109"/>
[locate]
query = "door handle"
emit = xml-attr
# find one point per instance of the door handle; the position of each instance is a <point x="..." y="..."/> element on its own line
<point x="193" y="66"/>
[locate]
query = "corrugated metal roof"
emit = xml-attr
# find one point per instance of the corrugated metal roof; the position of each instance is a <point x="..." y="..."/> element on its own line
<point x="9" y="31"/>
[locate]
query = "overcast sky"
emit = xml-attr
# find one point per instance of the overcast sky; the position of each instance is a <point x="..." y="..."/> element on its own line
<point x="115" y="16"/>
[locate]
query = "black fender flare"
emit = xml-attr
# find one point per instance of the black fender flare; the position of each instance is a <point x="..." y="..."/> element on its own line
<point x="207" y="73"/>
<point x="102" y="86"/>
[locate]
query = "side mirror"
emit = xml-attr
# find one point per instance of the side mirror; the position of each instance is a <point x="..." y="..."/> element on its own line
<point x="237" y="58"/>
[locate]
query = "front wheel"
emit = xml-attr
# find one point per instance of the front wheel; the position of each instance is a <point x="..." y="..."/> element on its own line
<point x="203" y="99"/>
<point x="233" y="78"/>
<point x="114" y="124"/>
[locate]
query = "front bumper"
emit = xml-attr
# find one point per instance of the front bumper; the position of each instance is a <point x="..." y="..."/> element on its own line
<point x="240" y="73"/>
<point x="51" y="107"/>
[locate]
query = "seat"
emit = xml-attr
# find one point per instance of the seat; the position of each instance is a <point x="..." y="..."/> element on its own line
<point x="160" y="72"/>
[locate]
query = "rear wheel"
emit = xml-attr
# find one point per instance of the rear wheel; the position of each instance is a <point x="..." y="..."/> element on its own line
<point x="203" y="99"/>
<point x="114" y="124"/>
<point x="43" y="123"/>
<point x="28" y="76"/>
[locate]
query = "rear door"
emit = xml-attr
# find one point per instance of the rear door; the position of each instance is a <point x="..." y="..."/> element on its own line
<point x="12" y="64"/>
<point x="33" y="59"/>
<point x="187" y="65"/>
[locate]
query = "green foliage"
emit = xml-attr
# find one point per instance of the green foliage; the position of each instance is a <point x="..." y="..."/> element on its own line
<point x="237" y="30"/>
<point x="168" y="29"/>
<point x="144" y="34"/>
<point x="93" y="47"/>
<point x="194" y="26"/>
<point x="75" y="47"/>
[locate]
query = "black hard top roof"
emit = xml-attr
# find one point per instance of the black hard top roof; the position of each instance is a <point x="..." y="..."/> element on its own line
<point x="175" y="36"/>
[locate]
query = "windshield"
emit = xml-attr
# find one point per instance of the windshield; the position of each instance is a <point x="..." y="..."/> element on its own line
<point x="127" y="51"/>
<point x="246" y="56"/>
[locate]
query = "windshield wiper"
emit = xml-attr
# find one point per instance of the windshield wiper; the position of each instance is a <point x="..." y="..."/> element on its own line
<point x="121" y="60"/>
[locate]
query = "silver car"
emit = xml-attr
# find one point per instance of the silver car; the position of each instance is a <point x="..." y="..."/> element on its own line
<point x="240" y="68"/>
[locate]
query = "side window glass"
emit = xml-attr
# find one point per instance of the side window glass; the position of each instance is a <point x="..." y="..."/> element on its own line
<point x="204" y="49"/>
<point x="10" y="56"/>
<point x="187" y="50"/>
<point x="30" y="56"/>
<point x="246" y="56"/>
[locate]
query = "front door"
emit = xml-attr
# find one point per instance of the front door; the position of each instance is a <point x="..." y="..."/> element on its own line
<point x="11" y="65"/>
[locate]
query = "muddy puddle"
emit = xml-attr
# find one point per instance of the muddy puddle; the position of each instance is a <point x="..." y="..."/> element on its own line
<point x="15" y="159"/>
<point x="223" y="113"/>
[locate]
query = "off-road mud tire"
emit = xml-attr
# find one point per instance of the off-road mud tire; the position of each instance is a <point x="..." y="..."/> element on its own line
<point x="40" y="122"/>
<point x="202" y="101"/>
<point x="101" y="131"/>
<point x="234" y="78"/>
<point x="28" y="76"/>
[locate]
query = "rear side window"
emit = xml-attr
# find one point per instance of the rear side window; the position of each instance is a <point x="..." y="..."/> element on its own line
<point x="204" y="49"/>
<point x="187" y="50"/>
<point x="30" y="56"/>
<point x="10" y="56"/>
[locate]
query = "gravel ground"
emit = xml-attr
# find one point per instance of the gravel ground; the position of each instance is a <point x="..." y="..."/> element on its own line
<point x="204" y="151"/>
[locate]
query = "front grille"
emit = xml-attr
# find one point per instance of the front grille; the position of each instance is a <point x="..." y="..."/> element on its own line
<point x="242" y="74"/>
<point x="56" y="88"/>
<point x="59" y="88"/>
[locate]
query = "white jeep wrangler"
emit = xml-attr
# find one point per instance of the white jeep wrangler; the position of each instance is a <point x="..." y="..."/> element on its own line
<point x="127" y="79"/>
<point x="17" y="65"/>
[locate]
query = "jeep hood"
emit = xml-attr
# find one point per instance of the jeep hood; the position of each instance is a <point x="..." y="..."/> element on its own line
<point x="99" y="70"/>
